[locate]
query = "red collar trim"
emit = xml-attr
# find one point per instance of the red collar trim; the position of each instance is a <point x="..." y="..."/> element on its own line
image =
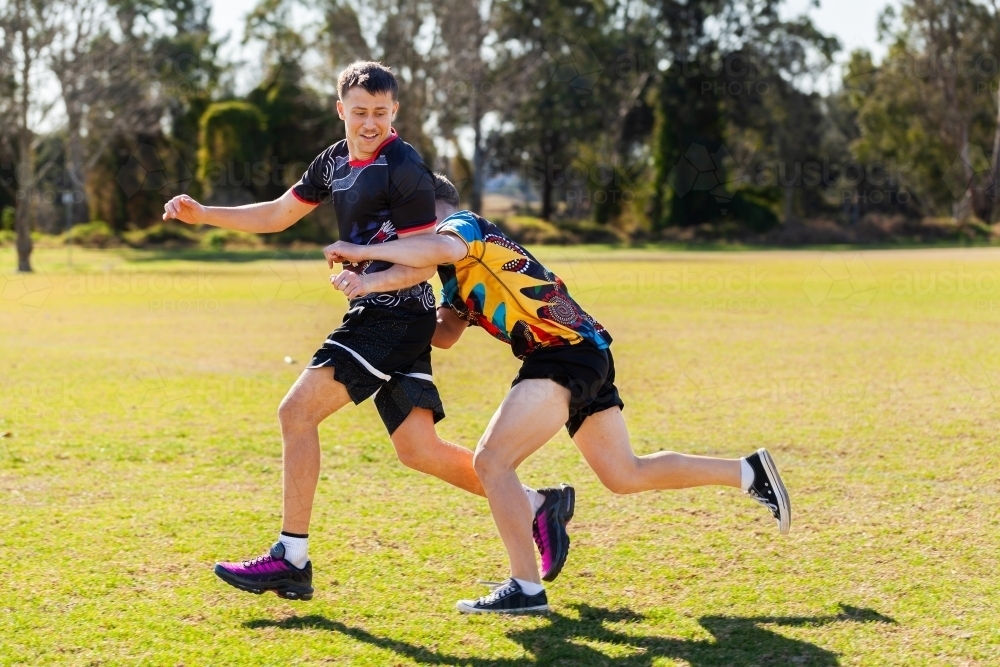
<point x="364" y="163"/>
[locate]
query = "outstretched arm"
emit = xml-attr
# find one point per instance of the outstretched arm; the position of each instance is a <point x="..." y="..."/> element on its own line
<point x="396" y="277"/>
<point x="263" y="218"/>
<point x="415" y="250"/>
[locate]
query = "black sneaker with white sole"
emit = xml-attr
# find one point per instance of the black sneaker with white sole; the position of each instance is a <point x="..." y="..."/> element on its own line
<point x="769" y="490"/>
<point x="506" y="598"/>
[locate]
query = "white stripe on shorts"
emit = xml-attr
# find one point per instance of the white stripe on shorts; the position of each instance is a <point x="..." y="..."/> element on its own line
<point x="419" y="376"/>
<point x="364" y="362"/>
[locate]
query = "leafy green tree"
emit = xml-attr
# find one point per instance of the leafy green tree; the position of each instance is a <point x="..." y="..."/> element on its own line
<point x="232" y="147"/>
<point x="925" y="107"/>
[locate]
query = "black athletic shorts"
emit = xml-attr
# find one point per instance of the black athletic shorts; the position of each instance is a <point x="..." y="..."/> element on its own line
<point x="588" y="373"/>
<point x="385" y="352"/>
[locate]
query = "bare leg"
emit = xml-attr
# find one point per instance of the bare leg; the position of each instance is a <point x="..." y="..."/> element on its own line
<point x="603" y="440"/>
<point x="419" y="447"/>
<point x="529" y="416"/>
<point x="314" y="397"/>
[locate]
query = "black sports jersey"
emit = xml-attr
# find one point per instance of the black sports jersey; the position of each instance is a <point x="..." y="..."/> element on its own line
<point x="377" y="199"/>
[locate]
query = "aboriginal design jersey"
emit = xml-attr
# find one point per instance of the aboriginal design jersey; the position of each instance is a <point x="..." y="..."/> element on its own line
<point x="376" y="200"/>
<point x="502" y="288"/>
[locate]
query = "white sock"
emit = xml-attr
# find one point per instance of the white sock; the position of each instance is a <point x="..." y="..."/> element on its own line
<point x="535" y="498"/>
<point x="746" y="475"/>
<point x="296" y="549"/>
<point x="529" y="587"/>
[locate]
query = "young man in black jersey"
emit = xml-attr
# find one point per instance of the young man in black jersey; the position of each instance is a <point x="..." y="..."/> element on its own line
<point x="381" y="190"/>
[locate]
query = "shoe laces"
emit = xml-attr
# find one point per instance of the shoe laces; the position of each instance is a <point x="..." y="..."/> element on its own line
<point x="763" y="500"/>
<point x="258" y="560"/>
<point x="500" y="592"/>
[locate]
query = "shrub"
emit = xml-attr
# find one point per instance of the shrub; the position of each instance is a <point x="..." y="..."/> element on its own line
<point x="95" y="234"/>
<point x="162" y="235"/>
<point x="526" y="229"/>
<point x="7" y="237"/>
<point x="7" y="218"/>
<point x="220" y="239"/>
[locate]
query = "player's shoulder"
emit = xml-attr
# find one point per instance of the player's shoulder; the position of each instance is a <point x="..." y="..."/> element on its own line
<point x="464" y="223"/>
<point x="398" y="154"/>
<point x="334" y="151"/>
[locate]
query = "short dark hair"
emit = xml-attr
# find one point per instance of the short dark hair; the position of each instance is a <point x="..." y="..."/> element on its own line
<point x="445" y="191"/>
<point x="373" y="76"/>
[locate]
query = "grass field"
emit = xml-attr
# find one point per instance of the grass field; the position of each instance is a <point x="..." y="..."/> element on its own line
<point x="140" y="445"/>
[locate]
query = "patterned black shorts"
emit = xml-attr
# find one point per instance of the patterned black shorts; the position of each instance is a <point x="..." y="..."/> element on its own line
<point x="385" y="352"/>
<point x="588" y="373"/>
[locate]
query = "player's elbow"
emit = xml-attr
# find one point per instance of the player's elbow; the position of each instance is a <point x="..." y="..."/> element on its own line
<point x="443" y="342"/>
<point x="278" y="222"/>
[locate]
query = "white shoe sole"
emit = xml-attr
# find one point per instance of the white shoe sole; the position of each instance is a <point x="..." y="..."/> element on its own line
<point x="469" y="607"/>
<point x="784" y="505"/>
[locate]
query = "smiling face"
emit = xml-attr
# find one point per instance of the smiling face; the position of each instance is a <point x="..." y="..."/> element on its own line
<point x="367" y="119"/>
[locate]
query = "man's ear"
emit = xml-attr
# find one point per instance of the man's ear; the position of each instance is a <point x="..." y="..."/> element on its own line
<point x="340" y="110"/>
<point x="395" y="108"/>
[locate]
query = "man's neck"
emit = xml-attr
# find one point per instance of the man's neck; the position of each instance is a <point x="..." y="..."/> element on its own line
<point x="355" y="155"/>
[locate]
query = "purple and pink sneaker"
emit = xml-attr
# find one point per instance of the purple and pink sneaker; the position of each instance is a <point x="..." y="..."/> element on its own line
<point x="270" y="572"/>
<point x="549" y="528"/>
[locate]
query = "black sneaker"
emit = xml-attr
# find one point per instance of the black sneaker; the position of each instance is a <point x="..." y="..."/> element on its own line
<point x="768" y="489"/>
<point x="549" y="529"/>
<point x="270" y="572"/>
<point x="506" y="598"/>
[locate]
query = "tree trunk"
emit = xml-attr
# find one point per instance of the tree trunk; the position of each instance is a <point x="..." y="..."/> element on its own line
<point x="74" y="167"/>
<point x="995" y="159"/>
<point x="22" y="212"/>
<point x="477" y="154"/>
<point x="547" y="192"/>
<point x="25" y="175"/>
<point x="963" y="207"/>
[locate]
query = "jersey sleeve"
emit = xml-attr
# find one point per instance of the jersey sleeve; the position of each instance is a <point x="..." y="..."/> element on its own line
<point x="314" y="186"/>
<point x="411" y="195"/>
<point x="463" y="226"/>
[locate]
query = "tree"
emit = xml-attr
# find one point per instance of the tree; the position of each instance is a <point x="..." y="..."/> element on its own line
<point x="926" y="110"/>
<point x="28" y="27"/>
<point x="761" y="57"/>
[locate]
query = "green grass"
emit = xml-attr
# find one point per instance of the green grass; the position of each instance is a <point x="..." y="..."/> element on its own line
<point x="139" y="392"/>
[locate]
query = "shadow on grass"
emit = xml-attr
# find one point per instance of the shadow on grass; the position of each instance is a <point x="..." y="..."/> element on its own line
<point x="569" y="641"/>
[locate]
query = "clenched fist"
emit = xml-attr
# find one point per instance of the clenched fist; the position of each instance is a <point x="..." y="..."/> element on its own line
<point x="342" y="251"/>
<point x="185" y="209"/>
<point x="350" y="283"/>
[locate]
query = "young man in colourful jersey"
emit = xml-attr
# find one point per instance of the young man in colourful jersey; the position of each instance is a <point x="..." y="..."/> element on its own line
<point x="567" y="378"/>
<point x="381" y="191"/>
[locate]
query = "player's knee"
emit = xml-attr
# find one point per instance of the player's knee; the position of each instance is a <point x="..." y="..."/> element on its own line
<point x="292" y="412"/>
<point x="621" y="481"/>
<point x="408" y="454"/>
<point x="486" y="463"/>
